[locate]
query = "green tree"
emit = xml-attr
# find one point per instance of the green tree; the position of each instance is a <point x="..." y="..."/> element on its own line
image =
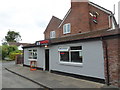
<point x="13" y="36"/>
<point x="12" y="49"/>
<point x="0" y="52"/>
<point x="4" y="51"/>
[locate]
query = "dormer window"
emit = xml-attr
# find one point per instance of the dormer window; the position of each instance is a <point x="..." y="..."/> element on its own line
<point x="66" y="28"/>
<point x="52" y="34"/>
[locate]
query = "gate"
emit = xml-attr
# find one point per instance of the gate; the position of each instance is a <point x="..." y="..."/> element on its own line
<point x="19" y="59"/>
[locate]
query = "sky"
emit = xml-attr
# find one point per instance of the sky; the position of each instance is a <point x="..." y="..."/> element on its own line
<point x="31" y="17"/>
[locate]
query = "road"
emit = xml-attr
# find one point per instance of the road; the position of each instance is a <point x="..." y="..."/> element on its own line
<point x="10" y="80"/>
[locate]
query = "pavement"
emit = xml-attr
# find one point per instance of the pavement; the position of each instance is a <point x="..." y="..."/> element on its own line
<point x="51" y="80"/>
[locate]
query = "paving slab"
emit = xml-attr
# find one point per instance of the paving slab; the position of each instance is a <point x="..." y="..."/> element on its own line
<point x="52" y="80"/>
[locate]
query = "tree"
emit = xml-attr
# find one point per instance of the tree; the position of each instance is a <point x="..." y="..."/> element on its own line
<point x="13" y="36"/>
<point x="6" y="50"/>
<point x="0" y="52"/>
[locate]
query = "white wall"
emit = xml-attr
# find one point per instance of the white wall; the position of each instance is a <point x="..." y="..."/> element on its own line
<point x="93" y="60"/>
<point x="40" y="57"/>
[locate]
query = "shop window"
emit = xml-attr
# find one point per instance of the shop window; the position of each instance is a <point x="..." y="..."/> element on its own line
<point x="66" y="28"/>
<point x="74" y="54"/>
<point x="33" y="54"/>
<point x="64" y="56"/>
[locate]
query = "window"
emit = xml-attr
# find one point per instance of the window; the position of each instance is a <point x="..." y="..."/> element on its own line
<point x="64" y="56"/>
<point x="33" y="54"/>
<point x="74" y="54"/>
<point x="52" y="34"/>
<point x="66" y="28"/>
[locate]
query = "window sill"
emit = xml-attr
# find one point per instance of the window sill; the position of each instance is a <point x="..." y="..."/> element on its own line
<point x="71" y="64"/>
<point x="66" y="33"/>
<point x="32" y="59"/>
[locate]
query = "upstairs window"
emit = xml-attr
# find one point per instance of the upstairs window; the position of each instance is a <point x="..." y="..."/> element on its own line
<point x="66" y="28"/>
<point x="52" y="34"/>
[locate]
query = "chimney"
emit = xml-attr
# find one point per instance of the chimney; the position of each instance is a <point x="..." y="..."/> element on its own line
<point x="76" y="3"/>
<point x="119" y="13"/>
<point x="80" y="9"/>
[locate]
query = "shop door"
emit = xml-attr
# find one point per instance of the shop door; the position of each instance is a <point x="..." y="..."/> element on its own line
<point x="47" y="59"/>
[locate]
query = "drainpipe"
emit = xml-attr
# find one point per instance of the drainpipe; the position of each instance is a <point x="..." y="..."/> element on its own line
<point x="107" y="62"/>
<point x="109" y="17"/>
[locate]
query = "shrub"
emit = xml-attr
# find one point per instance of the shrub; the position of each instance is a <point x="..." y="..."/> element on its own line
<point x="10" y="52"/>
<point x="13" y="55"/>
<point x="4" y="51"/>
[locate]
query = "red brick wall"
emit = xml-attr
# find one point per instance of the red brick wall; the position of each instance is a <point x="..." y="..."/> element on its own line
<point x="103" y="21"/>
<point x="52" y="26"/>
<point x="81" y="21"/>
<point x="78" y="18"/>
<point x="113" y="54"/>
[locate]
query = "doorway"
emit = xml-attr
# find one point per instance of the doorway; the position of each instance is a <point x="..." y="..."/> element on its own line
<point x="47" y="59"/>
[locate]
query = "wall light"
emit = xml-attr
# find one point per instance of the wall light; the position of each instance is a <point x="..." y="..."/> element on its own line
<point x="46" y="46"/>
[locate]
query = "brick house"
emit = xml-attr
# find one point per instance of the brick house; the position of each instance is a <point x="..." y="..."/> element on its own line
<point x="84" y="43"/>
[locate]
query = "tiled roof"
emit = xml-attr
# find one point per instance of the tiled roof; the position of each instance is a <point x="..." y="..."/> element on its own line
<point x="87" y="35"/>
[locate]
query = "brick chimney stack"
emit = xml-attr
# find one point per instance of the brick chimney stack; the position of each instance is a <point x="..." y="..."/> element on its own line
<point x="119" y="13"/>
<point x="76" y="3"/>
<point x="80" y="9"/>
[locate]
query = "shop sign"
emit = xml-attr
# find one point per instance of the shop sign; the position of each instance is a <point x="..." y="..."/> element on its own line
<point x="45" y="42"/>
<point x="63" y="48"/>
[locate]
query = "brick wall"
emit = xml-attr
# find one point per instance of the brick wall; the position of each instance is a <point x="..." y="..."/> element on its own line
<point x="81" y="21"/>
<point x="78" y="18"/>
<point x="103" y="21"/>
<point x="52" y="26"/>
<point x="112" y="55"/>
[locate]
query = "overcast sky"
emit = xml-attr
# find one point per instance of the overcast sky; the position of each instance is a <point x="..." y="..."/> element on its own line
<point x="30" y="17"/>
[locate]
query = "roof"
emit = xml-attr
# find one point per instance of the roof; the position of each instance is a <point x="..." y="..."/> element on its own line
<point x="83" y="36"/>
<point x="18" y="44"/>
<point x="101" y="8"/>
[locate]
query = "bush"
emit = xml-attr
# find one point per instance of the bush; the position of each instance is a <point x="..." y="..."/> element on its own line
<point x="13" y="55"/>
<point x="10" y="52"/>
<point x="4" y="51"/>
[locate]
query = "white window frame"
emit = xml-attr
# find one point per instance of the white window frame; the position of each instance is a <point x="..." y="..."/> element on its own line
<point x="32" y="57"/>
<point x="52" y="34"/>
<point x="70" y="62"/>
<point x="67" y="28"/>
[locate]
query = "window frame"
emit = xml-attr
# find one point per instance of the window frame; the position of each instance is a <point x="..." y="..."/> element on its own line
<point x="65" y="28"/>
<point x="69" y="62"/>
<point x="32" y="56"/>
<point x="52" y="34"/>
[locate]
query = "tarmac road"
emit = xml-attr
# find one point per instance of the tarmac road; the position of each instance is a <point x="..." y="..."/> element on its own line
<point x="10" y="80"/>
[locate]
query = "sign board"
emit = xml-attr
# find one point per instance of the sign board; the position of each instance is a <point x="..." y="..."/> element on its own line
<point x="63" y="48"/>
<point x="42" y="43"/>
